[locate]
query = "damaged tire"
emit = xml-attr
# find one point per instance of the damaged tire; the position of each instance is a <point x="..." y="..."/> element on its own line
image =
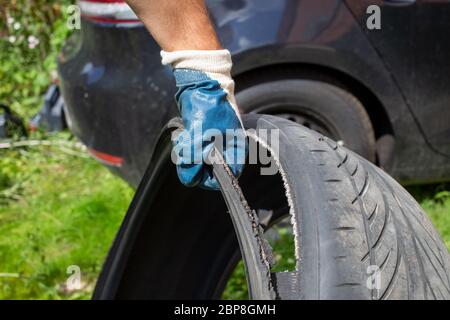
<point x="358" y="233"/>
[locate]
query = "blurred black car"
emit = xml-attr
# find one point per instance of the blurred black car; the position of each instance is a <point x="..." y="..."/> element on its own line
<point x="384" y="93"/>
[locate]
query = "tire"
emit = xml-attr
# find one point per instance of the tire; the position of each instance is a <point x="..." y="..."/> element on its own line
<point x="349" y="215"/>
<point x="346" y="215"/>
<point x="320" y="106"/>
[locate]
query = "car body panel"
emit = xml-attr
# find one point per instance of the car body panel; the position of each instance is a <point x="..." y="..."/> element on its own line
<point x="116" y="101"/>
<point x="413" y="42"/>
<point x="118" y="96"/>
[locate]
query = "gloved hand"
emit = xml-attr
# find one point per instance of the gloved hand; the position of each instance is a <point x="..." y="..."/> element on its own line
<point x="205" y="100"/>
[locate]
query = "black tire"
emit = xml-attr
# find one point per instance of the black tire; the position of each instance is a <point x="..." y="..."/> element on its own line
<point x="347" y="215"/>
<point x="350" y="215"/>
<point x="318" y="105"/>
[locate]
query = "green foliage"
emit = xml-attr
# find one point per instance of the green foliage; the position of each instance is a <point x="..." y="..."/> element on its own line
<point x="435" y="200"/>
<point x="283" y="248"/>
<point x="31" y="33"/>
<point x="56" y="210"/>
<point x="236" y="288"/>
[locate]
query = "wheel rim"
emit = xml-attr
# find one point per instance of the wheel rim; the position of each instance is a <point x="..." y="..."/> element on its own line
<point x="302" y="115"/>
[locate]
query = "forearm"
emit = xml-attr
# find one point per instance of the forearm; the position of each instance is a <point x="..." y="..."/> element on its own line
<point x="205" y="95"/>
<point x="177" y="24"/>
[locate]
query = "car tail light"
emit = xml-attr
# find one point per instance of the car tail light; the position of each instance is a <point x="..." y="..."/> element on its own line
<point x="115" y="12"/>
<point x="106" y="158"/>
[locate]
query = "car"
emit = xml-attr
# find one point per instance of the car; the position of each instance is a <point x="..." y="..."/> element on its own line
<point x="338" y="218"/>
<point x="382" y="92"/>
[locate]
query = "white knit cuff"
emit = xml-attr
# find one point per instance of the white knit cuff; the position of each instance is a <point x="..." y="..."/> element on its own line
<point x="210" y="61"/>
<point x="216" y="64"/>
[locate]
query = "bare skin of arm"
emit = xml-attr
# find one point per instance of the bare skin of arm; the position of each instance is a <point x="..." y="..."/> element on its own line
<point x="177" y="24"/>
<point x="205" y="88"/>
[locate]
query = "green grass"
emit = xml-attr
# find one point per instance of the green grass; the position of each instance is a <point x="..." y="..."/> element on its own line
<point x="435" y="200"/>
<point x="56" y="210"/>
<point x="25" y="70"/>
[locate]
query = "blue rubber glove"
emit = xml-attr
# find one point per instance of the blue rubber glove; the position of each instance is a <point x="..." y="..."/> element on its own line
<point x="205" y="99"/>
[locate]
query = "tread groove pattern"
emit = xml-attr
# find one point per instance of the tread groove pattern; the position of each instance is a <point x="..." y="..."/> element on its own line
<point x="373" y="222"/>
<point x="373" y="213"/>
<point x="360" y="195"/>
<point x="421" y="266"/>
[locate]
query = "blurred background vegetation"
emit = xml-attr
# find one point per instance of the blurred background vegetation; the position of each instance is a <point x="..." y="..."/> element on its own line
<point x="58" y="207"/>
<point x="31" y="34"/>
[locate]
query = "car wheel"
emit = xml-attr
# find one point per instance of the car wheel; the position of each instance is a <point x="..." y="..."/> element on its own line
<point x="316" y="105"/>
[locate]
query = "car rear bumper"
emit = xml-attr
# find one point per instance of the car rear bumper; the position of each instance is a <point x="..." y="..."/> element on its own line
<point x="110" y="78"/>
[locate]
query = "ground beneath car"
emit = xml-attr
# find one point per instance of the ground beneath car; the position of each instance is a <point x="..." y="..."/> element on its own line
<point x="59" y="209"/>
